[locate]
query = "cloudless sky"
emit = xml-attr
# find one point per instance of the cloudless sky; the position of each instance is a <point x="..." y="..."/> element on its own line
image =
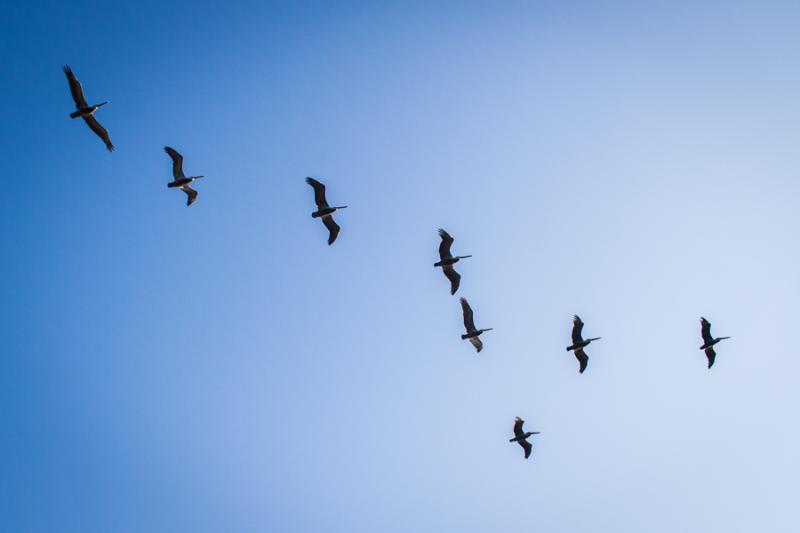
<point x="220" y="368"/>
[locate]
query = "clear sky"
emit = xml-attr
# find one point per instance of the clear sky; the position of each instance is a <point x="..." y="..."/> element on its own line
<point x="220" y="368"/>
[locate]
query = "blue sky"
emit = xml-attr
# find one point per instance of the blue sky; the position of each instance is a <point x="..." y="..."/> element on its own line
<point x="220" y="368"/>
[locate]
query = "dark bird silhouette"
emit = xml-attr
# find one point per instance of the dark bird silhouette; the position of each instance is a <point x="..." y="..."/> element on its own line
<point x="84" y="110"/>
<point x="578" y="344"/>
<point x="446" y="260"/>
<point x="472" y="333"/>
<point x="521" y="437"/>
<point x="181" y="182"/>
<point x="324" y="211"/>
<point x="709" y="341"/>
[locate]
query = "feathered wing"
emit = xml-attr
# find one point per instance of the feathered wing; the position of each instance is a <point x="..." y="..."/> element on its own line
<point x="577" y="328"/>
<point x="711" y="355"/>
<point x="100" y="131"/>
<point x="319" y="193"/>
<point x="75" y="88"/>
<point x="705" y="330"/>
<point x="527" y="446"/>
<point x="518" y="427"/>
<point x="477" y="343"/>
<point x="177" y="162"/>
<point x="583" y="359"/>
<point x="466" y="310"/>
<point x="191" y="193"/>
<point x="444" y="246"/>
<point x="333" y="228"/>
<point x="454" y="277"/>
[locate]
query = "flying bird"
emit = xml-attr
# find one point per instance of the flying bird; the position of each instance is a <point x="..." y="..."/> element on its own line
<point x="472" y="333"/>
<point x="324" y="211"/>
<point x="521" y="437"/>
<point x="446" y="260"/>
<point x="86" y="111"/>
<point x="709" y="341"/>
<point x="578" y="344"/>
<point x="181" y="182"/>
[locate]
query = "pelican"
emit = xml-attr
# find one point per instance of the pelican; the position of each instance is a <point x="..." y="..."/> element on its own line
<point x="86" y="111"/>
<point x="521" y="437"/>
<point x="181" y="182"/>
<point x="472" y="333"/>
<point x="324" y="211"/>
<point x="709" y="341"/>
<point x="446" y="260"/>
<point x="578" y="344"/>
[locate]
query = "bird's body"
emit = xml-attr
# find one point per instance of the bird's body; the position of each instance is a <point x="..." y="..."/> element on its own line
<point x="180" y="181"/>
<point x="86" y="111"/>
<point x="473" y="333"/>
<point x="324" y="211"/>
<point x="578" y="343"/>
<point x="521" y="437"/>
<point x="709" y="341"/>
<point x="447" y="260"/>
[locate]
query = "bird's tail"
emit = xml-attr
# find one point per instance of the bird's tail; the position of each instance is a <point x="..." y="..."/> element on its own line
<point x="75" y="114"/>
<point x="464" y="337"/>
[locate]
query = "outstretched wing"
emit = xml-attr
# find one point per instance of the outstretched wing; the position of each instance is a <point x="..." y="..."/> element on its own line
<point x="477" y="343"/>
<point x="583" y="359"/>
<point x="467" y="311"/>
<point x="711" y="355"/>
<point x="333" y="228"/>
<point x="177" y="162"/>
<point x="577" y="328"/>
<point x="191" y="193"/>
<point x="319" y="193"/>
<point x="527" y="446"/>
<point x="75" y="88"/>
<point x="100" y="131"/>
<point x="454" y="277"/>
<point x="444" y="246"/>
<point x="518" y="427"/>
<point x="705" y="330"/>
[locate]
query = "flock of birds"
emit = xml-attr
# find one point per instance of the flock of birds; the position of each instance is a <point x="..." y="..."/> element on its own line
<point x="325" y="212"/>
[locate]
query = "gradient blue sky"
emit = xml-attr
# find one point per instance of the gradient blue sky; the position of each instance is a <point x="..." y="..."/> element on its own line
<point x="220" y="368"/>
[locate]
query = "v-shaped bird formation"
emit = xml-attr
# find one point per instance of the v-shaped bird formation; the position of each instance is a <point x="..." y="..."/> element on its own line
<point x="325" y="211"/>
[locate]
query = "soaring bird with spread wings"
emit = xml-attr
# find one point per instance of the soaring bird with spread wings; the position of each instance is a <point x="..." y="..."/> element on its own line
<point x="578" y="344"/>
<point x="324" y="211"/>
<point x="86" y="111"/>
<point x="709" y="341"/>
<point x="180" y="180"/>
<point x="472" y="334"/>
<point x="521" y="437"/>
<point x="446" y="260"/>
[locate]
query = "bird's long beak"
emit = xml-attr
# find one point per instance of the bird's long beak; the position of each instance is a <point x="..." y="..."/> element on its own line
<point x="341" y="207"/>
<point x="464" y="256"/>
<point x="721" y="338"/>
<point x="196" y="177"/>
<point x="488" y="329"/>
<point x="103" y="103"/>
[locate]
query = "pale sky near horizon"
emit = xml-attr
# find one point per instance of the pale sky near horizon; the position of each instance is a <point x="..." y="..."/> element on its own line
<point x="220" y="368"/>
